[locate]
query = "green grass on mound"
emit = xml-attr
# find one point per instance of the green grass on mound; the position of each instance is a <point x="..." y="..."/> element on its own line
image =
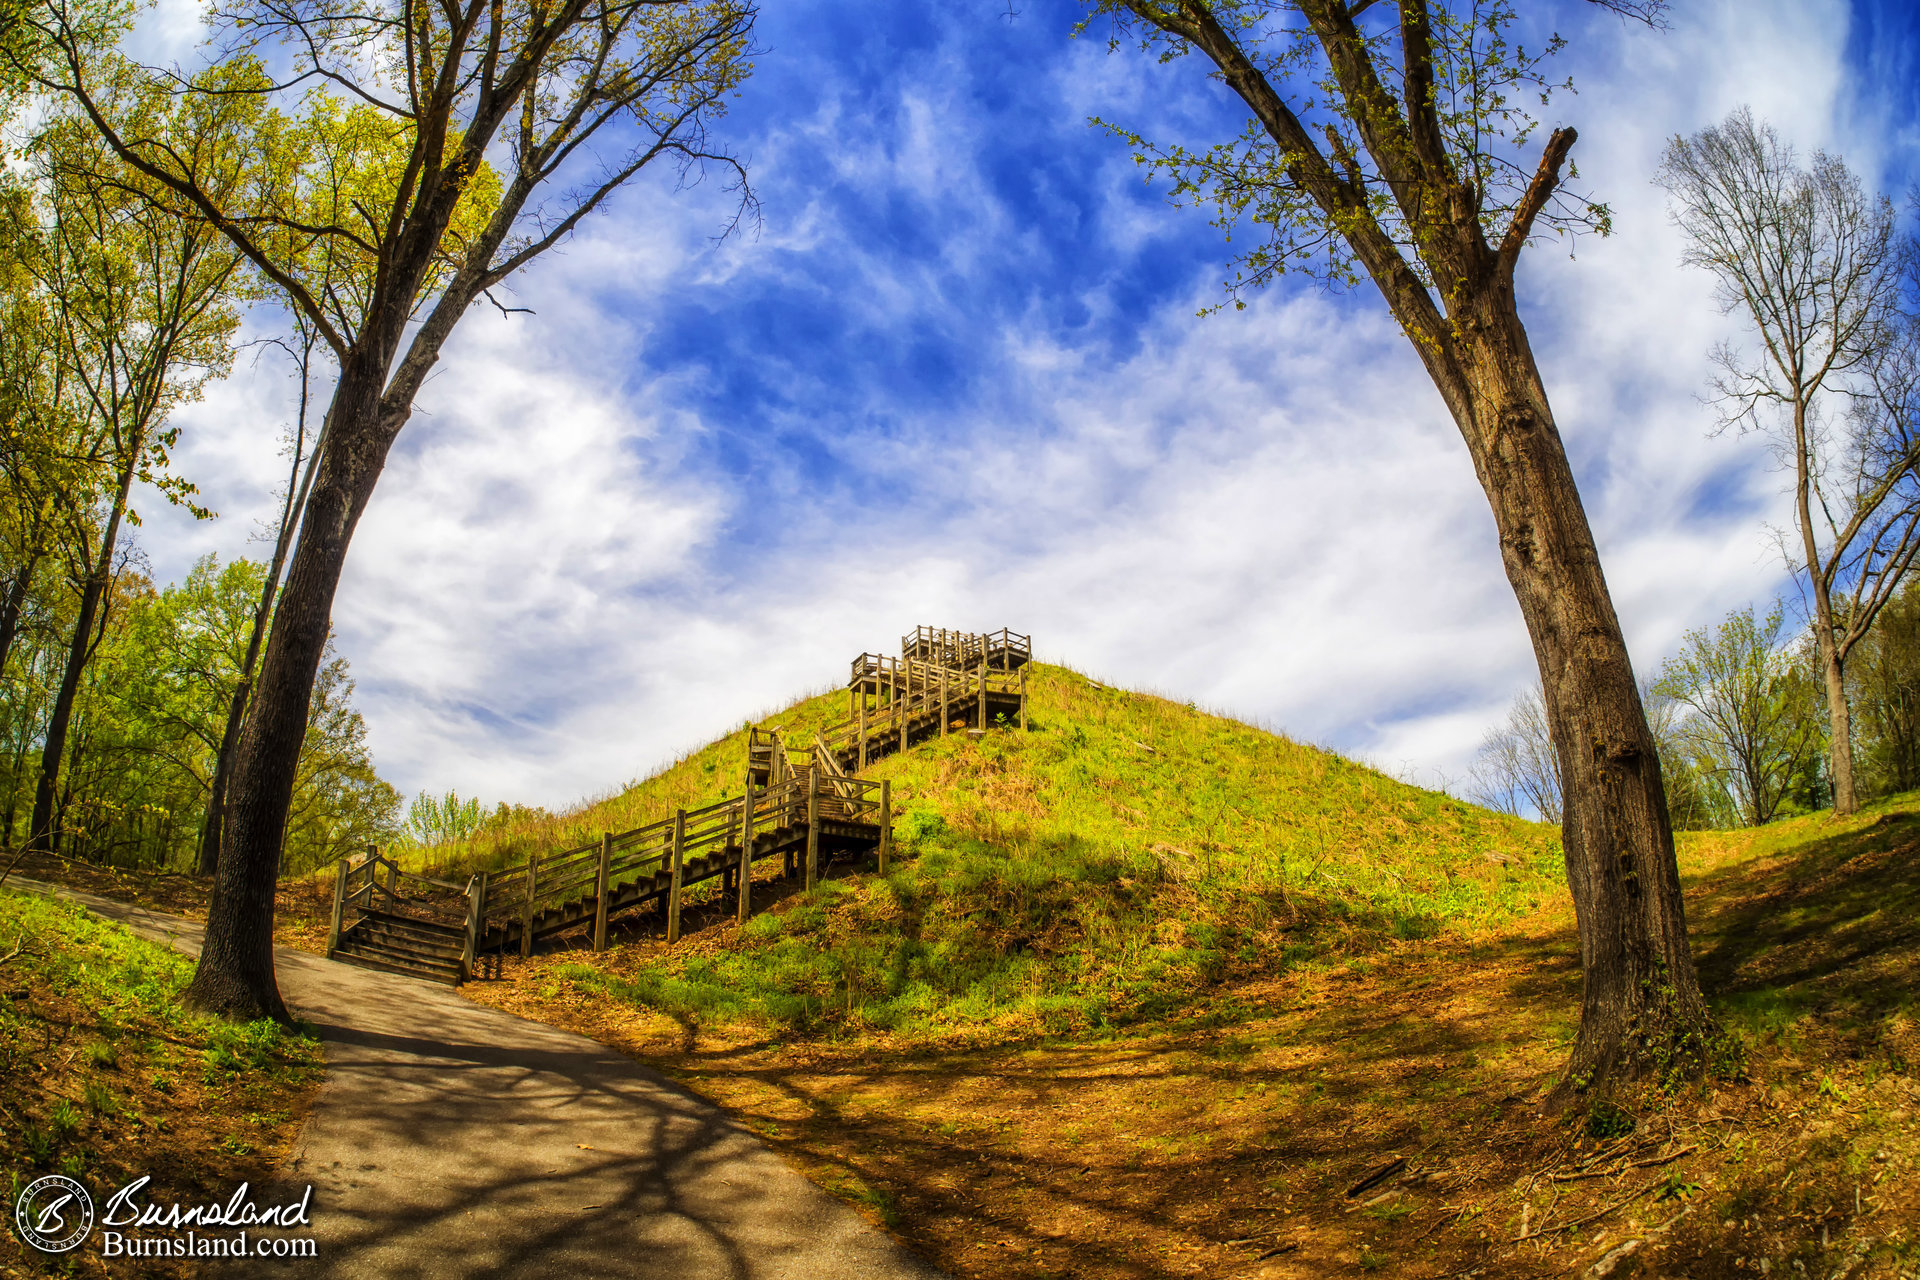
<point x="1113" y="863"/>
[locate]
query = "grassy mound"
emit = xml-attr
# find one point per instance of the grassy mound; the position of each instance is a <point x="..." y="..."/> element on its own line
<point x="1116" y="862"/>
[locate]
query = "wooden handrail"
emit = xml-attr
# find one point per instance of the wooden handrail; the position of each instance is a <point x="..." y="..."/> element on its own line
<point x="805" y="787"/>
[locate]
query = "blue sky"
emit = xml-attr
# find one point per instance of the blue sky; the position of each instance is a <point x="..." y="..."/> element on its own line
<point x="955" y="376"/>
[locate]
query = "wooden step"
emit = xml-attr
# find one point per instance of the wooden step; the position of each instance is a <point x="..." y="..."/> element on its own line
<point x="405" y="948"/>
<point x="386" y="962"/>
<point x="424" y="931"/>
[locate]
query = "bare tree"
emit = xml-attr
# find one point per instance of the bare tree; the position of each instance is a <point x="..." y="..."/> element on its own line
<point x="1813" y="263"/>
<point x="1391" y="142"/>
<point x="406" y="159"/>
<point x="1517" y="770"/>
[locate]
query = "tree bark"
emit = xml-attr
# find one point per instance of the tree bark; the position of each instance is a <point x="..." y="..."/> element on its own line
<point x="213" y="828"/>
<point x="41" y="833"/>
<point x="15" y="603"/>
<point x="1846" y="799"/>
<point x="1840" y="744"/>
<point x="1641" y="1002"/>
<point x="235" y="975"/>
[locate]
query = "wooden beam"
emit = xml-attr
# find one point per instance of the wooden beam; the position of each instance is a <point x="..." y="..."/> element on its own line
<point x="600" y="892"/>
<point x="339" y="907"/>
<point x="673" y="878"/>
<point x="886" y="822"/>
<point x="526" y="914"/>
<point x="813" y="825"/>
<point x="745" y="908"/>
<point x="476" y="916"/>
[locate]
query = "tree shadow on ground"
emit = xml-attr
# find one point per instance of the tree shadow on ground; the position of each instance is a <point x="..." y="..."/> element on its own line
<point x="1832" y="930"/>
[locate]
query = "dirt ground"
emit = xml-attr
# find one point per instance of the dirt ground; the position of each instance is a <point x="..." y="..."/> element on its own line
<point x="1381" y="1113"/>
<point x="1376" y="1112"/>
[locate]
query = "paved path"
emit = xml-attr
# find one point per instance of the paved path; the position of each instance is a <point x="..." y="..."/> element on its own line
<point x="455" y="1140"/>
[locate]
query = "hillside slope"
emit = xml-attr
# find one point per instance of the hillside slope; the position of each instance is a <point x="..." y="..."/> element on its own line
<point x="1107" y="864"/>
<point x="1150" y="994"/>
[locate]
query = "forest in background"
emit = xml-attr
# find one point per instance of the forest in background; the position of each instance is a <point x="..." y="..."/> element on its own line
<point x="150" y="710"/>
<point x="1741" y="724"/>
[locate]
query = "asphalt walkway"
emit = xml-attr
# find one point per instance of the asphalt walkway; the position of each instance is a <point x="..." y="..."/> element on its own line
<point x="453" y="1140"/>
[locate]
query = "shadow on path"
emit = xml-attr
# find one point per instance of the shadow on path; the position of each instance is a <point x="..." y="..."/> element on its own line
<point x="456" y="1140"/>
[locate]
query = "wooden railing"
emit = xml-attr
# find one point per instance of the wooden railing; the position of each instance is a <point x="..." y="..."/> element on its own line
<point x="887" y="694"/>
<point x="1002" y="650"/>
<point x="358" y="890"/>
<point x="570" y="879"/>
<point x="789" y="789"/>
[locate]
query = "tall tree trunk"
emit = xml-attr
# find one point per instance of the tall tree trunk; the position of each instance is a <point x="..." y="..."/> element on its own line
<point x="14" y="604"/>
<point x="42" y="835"/>
<point x="214" y="830"/>
<point x="1846" y="799"/>
<point x="235" y="974"/>
<point x="1839" y="722"/>
<point x="1641" y="1002"/>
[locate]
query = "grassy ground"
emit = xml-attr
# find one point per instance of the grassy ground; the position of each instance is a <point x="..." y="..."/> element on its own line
<point x="303" y="904"/>
<point x="104" y="1077"/>
<point x="1149" y="992"/>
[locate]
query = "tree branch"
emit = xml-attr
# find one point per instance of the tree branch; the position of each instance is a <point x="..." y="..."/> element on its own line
<point x="1539" y="191"/>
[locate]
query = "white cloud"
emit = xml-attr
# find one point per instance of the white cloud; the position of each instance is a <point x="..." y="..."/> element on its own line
<point x="1265" y="511"/>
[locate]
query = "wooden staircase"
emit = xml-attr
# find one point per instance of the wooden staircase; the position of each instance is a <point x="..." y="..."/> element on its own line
<point x="399" y="944"/>
<point x="943" y="680"/>
<point x="803" y="803"/>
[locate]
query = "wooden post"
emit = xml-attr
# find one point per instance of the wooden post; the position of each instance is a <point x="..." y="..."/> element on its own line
<point x="983" y="684"/>
<point x="600" y="892"/>
<point x="886" y="822"/>
<point x="1023" y="693"/>
<point x="526" y="915"/>
<point x="745" y="908"/>
<point x="476" y="911"/>
<point x="673" y="882"/>
<point x="863" y="731"/>
<point x="339" y="907"/>
<point x="813" y="828"/>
